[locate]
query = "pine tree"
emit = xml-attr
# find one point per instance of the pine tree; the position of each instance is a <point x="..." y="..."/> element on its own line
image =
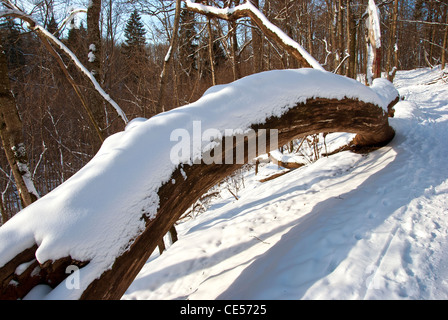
<point x="12" y="44"/>
<point x="76" y="42"/>
<point x="52" y="27"/>
<point x="135" y="34"/>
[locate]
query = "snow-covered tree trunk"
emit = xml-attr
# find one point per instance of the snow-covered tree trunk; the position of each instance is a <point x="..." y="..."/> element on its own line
<point x="12" y="136"/>
<point x="373" y="43"/>
<point x="152" y="192"/>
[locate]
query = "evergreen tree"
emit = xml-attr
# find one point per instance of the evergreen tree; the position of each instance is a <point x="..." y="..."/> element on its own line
<point x="76" y="41"/>
<point x="12" y="44"/>
<point x="135" y="34"/>
<point x="52" y="27"/>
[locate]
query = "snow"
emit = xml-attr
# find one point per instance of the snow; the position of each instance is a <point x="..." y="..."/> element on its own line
<point x="385" y="90"/>
<point x="20" y="152"/>
<point x="91" y="56"/>
<point x="349" y="226"/>
<point x="21" y="268"/>
<point x="95" y="214"/>
<point x="168" y="54"/>
<point x="373" y="23"/>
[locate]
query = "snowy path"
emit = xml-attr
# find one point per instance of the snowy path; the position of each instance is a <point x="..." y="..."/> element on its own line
<point x="346" y="227"/>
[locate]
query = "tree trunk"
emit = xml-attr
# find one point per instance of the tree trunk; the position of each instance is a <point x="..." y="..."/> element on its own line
<point x="210" y="51"/>
<point x="94" y="59"/>
<point x="256" y="43"/>
<point x="235" y="57"/>
<point x="12" y="136"/>
<point x="351" y="41"/>
<point x="173" y="234"/>
<point x="167" y="61"/>
<point x="314" y="116"/>
<point x="339" y="34"/>
<point x="373" y="43"/>
<point x="445" y="40"/>
<point x="392" y="52"/>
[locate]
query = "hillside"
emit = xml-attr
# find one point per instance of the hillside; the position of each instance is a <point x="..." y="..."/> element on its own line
<point x="348" y="226"/>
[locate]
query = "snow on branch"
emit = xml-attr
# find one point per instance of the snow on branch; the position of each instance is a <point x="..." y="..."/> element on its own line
<point x="15" y="12"/>
<point x="70" y="17"/>
<point x="249" y="10"/>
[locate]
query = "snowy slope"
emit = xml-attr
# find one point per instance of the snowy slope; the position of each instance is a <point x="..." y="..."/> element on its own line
<point x="349" y="226"/>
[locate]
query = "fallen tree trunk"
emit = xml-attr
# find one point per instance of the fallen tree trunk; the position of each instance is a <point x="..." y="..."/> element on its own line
<point x="314" y="116"/>
<point x="183" y="185"/>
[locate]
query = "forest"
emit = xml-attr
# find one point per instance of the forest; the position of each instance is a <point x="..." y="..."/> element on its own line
<point x="148" y="68"/>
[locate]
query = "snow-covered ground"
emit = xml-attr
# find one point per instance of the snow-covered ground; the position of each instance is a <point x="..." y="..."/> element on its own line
<point x="348" y="226"/>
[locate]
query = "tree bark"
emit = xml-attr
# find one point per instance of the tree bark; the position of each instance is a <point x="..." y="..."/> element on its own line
<point x="339" y="34"/>
<point x="235" y="57"/>
<point x="210" y="51"/>
<point x="392" y="52"/>
<point x="351" y="41"/>
<point x="94" y="59"/>
<point x="256" y="43"/>
<point x="445" y="39"/>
